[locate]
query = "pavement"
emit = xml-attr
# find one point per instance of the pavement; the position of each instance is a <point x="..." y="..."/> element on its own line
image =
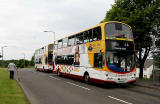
<point x="147" y="83"/>
<point x="48" y="88"/>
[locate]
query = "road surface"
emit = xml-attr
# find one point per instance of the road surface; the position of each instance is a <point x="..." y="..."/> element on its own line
<point x="48" y="88"/>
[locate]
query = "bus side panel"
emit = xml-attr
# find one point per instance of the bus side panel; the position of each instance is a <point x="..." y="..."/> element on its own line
<point x="85" y="61"/>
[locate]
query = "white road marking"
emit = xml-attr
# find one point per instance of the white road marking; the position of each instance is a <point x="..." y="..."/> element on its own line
<point x="54" y="77"/>
<point x="78" y="86"/>
<point x="119" y="100"/>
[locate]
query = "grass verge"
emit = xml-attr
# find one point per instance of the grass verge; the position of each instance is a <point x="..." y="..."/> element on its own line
<point x="10" y="91"/>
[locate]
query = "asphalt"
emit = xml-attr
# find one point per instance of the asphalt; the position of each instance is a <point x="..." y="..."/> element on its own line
<point x="48" y="88"/>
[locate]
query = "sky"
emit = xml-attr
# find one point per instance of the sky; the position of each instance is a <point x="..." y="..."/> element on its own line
<point x="23" y="22"/>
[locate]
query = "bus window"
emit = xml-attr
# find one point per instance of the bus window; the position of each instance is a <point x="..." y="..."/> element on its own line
<point x="41" y="51"/>
<point x="99" y="60"/>
<point x="71" y="41"/>
<point x="65" y="41"/>
<point x="86" y="38"/>
<point x="97" y="35"/>
<point x="66" y="60"/>
<point x="57" y="59"/>
<point x="90" y="37"/>
<point x="118" y="30"/>
<point x="120" y="55"/>
<point x="50" y="57"/>
<point x="50" y="47"/>
<point x="79" y="38"/>
<point x="55" y="44"/>
<point x="70" y="59"/>
<point x="40" y="61"/>
<point x="59" y="43"/>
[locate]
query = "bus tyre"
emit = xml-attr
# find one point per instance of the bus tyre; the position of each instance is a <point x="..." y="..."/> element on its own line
<point x="58" y="73"/>
<point x="86" y="78"/>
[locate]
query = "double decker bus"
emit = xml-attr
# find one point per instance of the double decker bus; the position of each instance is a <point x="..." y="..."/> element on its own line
<point x="43" y="58"/>
<point x="101" y="54"/>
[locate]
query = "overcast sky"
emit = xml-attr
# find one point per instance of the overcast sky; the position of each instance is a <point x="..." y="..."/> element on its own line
<point x="22" y="22"/>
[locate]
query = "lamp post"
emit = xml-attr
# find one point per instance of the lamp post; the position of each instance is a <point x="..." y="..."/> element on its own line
<point x="2" y="51"/>
<point x="2" y="54"/>
<point x="53" y="34"/>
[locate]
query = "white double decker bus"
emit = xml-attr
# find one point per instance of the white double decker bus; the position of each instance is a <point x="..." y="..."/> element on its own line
<point x="101" y="54"/>
<point x="43" y="58"/>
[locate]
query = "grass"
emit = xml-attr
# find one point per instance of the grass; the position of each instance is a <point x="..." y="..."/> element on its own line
<point x="149" y="79"/>
<point x="10" y="91"/>
<point x="146" y="79"/>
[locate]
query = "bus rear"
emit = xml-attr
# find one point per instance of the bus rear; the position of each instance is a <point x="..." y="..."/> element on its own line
<point x="43" y="58"/>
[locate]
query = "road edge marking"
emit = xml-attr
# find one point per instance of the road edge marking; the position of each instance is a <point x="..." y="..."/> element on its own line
<point x="119" y="100"/>
<point x="79" y="86"/>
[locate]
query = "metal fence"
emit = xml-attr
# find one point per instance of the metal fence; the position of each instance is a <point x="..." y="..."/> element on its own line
<point x="156" y="77"/>
<point x="156" y="67"/>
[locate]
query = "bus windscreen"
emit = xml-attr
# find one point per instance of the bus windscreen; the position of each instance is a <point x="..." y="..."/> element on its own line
<point x="118" y="30"/>
<point x="120" y="55"/>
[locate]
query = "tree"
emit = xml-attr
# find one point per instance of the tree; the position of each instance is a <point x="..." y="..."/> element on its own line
<point x="32" y="61"/>
<point x="20" y="63"/>
<point x="143" y="17"/>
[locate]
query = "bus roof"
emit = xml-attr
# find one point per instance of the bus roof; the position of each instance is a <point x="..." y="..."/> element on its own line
<point x="101" y="24"/>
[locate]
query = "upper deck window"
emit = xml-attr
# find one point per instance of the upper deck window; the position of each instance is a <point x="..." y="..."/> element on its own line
<point x="55" y="44"/>
<point x="71" y="40"/>
<point x="65" y="41"/>
<point x="79" y="38"/>
<point x="118" y="30"/>
<point x="88" y="36"/>
<point x="60" y="44"/>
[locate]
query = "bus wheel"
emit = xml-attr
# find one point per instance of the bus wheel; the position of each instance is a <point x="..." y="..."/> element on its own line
<point x="86" y="78"/>
<point x="58" y="73"/>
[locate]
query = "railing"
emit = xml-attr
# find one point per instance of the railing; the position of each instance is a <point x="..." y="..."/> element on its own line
<point x="156" y="67"/>
<point x="156" y="77"/>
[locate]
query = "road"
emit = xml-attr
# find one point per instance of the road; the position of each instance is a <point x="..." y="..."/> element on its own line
<point x="48" y="88"/>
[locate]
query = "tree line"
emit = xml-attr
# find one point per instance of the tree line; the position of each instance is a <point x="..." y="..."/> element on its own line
<point x="21" y="63"/>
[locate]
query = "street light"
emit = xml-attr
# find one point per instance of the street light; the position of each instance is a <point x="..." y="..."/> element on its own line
<point x="53" y="34"/>
<point x="2" y="51"/>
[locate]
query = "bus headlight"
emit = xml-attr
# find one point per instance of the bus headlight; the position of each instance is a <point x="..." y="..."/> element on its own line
<point x="107" y="75"/>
